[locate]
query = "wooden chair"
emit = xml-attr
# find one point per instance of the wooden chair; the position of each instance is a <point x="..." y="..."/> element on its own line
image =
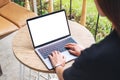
<point x="12" y="16"/>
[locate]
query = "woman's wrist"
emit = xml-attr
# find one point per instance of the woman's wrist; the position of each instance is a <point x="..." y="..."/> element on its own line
<point x="58" y="69"/>
<point x="57" y="66"/>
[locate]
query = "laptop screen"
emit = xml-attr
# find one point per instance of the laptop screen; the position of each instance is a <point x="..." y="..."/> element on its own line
<point x="47" y="28"/>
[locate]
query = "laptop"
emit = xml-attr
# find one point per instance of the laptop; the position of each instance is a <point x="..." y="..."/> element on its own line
<point x="48" y="33"/>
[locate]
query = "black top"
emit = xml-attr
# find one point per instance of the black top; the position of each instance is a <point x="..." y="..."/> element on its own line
<point x="99" y="62"/>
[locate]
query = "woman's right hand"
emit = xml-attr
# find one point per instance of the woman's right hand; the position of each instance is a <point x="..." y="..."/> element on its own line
<point x="74" y="48"/>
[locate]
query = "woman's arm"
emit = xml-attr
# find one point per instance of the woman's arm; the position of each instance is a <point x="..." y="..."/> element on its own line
<point x="59" y="71"/>
<point x="58" y="62"/>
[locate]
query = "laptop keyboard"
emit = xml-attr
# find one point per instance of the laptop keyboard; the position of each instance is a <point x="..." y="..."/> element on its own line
<point x="57" y="46"/>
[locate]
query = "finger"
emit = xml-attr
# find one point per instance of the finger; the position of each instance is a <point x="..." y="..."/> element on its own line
<point x="72" y="52"/>
<point x="67" y="46"/>
<point x="70" y="47"/>
<point x="54" y="53"/>
<point x="70" y="44"/>
<point x="58" y="53"/>
<point x="50" y="57"/>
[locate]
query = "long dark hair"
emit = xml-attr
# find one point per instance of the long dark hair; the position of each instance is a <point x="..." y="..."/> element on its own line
<point x="111" y="9"/>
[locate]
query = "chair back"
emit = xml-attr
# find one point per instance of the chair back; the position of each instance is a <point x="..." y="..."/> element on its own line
<point x="4" y="2"/>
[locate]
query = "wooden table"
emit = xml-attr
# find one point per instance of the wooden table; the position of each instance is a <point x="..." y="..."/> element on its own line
<point x="24" y="52"/>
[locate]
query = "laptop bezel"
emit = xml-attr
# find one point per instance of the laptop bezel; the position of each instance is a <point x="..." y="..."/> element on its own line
<point x="44" y="16"/>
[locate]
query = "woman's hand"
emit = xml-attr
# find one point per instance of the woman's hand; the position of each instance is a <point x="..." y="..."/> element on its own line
<point x="57" y="59"/>
<point x="74" y="48"/>
<point x="58" y="62"/>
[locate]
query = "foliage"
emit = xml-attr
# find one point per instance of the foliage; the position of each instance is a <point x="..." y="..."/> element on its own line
<point x="104" y="27"/>
<point x="20" y="2"/>
<point x="42" y="9"/>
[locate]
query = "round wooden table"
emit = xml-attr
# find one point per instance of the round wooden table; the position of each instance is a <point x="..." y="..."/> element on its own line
<point x="24" y="51"/>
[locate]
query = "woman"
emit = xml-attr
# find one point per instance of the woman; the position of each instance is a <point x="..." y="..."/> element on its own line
<point x="100" y="61"/>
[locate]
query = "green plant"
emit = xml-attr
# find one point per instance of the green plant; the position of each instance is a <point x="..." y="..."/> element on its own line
<point x="44" y="8"/>
<point x="20" y="2"/>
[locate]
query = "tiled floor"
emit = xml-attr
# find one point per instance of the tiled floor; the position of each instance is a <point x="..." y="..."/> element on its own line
<point x="10" y="65"/>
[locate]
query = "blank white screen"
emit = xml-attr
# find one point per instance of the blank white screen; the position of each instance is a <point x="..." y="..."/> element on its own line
<point x="48" y="28"/>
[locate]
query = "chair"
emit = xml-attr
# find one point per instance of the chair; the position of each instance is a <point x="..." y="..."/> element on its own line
<point x="12" y="16"/>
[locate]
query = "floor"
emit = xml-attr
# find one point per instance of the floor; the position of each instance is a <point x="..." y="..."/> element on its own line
<point x="11" y="67"/>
